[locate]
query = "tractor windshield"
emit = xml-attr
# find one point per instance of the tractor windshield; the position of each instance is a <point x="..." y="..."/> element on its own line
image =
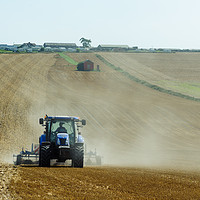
<point x="61" y="126"/>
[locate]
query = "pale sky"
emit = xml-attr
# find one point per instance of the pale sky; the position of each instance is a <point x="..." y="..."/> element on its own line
<point x="142" y="23"/>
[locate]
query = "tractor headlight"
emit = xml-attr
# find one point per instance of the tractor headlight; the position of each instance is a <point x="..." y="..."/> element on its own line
<point x="67" y="142"/>
<point x="58" y="141"/>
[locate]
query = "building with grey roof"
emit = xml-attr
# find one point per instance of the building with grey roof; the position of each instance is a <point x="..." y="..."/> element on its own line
<point x="106" y="47"/>
<point x="58" y="45"/>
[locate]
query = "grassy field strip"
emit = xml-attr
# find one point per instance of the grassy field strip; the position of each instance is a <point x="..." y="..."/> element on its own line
<point x="193" y="89"/>
<point x="5" y="51"/>
<point x="155" y="87"/>
<point x="68" y="59"/>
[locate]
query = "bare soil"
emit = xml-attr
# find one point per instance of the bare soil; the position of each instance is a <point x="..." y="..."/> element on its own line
<point x="7" y="173"/>
<point x="128" y="123"/>
<point x="174" y="71"/>
<point x="105" y="183"/>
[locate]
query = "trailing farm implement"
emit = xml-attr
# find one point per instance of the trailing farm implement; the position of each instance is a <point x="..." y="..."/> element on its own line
<point x="60" y="141"/>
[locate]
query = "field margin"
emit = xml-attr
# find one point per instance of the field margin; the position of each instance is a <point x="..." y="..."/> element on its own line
<point x="68" y="59"/>
<point x="145" y="83"/>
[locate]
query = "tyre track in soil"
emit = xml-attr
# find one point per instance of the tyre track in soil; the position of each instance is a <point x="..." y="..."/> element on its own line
<point x="159" y="122"/>
<point x="98" y="107"/>
<point x="73" y="94"/>
<point x="14" y="101"/>
<point x="157" y="131"/>
<point x="146" y="63"/>
<point x="21" y="77"/>
<point x="165" y="70"/>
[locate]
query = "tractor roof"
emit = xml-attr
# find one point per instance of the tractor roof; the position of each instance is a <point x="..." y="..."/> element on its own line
<point x="61" y="117"/>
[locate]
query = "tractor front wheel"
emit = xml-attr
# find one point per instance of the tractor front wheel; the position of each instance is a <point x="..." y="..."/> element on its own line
<point x="45" y="155"/>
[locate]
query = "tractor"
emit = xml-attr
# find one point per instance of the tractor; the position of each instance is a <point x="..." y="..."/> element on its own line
<point x="61" y="140"/>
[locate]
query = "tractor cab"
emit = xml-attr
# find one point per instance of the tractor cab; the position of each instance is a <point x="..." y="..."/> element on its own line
<point x="61" y="140"/>
<point x="62" y="132"/>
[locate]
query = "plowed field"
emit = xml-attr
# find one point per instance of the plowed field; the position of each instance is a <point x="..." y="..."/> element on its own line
<point x="105" y="183"/>
<point x="129" y="124"/>
<point x="178" y="72"/>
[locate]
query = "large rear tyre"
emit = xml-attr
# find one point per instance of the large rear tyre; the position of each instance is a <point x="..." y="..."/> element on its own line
<point x="45" y="155"/>
<point x="77" y="160"/>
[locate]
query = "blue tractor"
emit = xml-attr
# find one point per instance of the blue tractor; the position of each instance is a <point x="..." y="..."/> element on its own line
<point x="61" y="140"/>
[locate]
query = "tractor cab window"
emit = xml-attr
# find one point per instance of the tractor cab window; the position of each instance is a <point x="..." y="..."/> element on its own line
<point x="62" y="126"/>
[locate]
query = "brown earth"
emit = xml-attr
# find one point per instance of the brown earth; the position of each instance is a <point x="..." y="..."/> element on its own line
<point x="106" y="183"/>
<point x="128" y="123"/>
<point x="152" y="67"/>
<point x="174" y="71"/>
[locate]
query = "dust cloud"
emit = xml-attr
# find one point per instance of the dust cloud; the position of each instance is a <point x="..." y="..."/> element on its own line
<point x="153" y="135"/>
<point x="128" y="124"/>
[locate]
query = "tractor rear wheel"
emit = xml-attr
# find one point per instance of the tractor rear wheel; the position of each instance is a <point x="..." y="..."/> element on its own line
<point x="78" y="156"/>
<point x="45" y="155"/>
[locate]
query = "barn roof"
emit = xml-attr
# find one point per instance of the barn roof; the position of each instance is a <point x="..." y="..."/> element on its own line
<point x="85" y="61"/>
<point x="51" y="44"/>
<point x="29" y="45"/>
<point x="113" y="46"/>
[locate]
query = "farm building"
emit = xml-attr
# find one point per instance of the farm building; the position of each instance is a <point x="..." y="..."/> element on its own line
<point x="86" y="65"/>
<point x="58" y="45"/>
<point x="11" y="48"/>
<point x="27" y="45"/>
<point x="103" y="47"/>
<point x="3" y="46"/>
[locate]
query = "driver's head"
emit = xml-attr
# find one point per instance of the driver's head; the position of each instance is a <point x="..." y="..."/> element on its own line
<point x="61" y="123"/>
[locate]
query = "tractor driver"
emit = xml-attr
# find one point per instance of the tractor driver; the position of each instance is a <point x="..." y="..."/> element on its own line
<point x="61" y="129"/>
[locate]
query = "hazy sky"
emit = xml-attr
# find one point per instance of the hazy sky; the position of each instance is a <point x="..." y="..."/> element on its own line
<point x="143" y="23"/>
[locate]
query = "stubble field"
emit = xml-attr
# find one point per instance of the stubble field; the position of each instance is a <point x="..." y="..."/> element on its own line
<point x="129" y="124"/>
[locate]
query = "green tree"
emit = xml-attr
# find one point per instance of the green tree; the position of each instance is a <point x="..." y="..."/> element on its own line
<point x="85" y="42"/>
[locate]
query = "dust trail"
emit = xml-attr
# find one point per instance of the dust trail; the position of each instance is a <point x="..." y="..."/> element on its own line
<point x="133" y="125"/>
<point x="22" y="88"/>
<point x="127" y="123"/>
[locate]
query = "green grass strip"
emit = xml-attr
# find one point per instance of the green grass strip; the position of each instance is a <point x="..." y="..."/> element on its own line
<point x="68" y="59"/>
<point x="147" y="84"/>
<point x="5" y="51"/>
